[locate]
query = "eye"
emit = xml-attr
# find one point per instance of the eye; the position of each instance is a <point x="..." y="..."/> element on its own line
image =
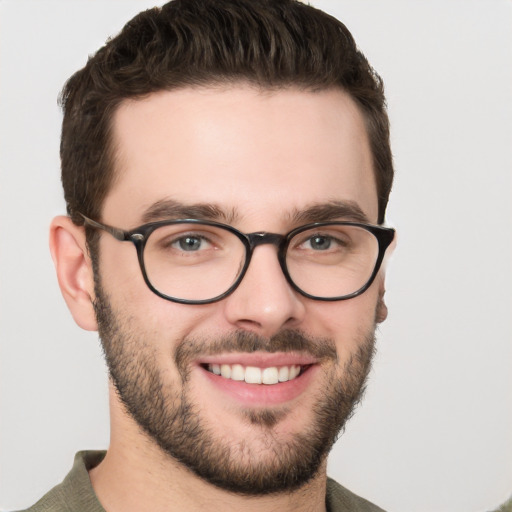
<point x="322" y="242"/>
<point x="318" y="243"/>
<point x="190" y="243"/>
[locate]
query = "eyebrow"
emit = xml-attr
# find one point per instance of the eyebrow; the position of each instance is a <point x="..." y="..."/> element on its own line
<point x="172" y="209"/>
<point x="332" y="210"/>
<point x="167" y="209"/>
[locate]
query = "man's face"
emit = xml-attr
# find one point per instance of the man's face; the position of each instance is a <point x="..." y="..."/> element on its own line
<point x="260" y="161"/>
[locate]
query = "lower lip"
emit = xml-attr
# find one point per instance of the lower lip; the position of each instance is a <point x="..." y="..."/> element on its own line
<point x="262" y="394"/>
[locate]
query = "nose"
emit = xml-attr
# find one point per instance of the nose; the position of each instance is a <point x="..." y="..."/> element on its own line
<point x="264" y="302"/>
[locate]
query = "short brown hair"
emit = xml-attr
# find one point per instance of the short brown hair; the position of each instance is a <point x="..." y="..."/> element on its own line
<point x="268" y="43"/>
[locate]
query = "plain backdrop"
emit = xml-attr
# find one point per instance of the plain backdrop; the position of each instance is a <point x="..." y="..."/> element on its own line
<point x="434" y="432"/>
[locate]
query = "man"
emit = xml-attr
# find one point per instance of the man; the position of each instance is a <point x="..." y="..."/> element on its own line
<point x="226" y="167"/>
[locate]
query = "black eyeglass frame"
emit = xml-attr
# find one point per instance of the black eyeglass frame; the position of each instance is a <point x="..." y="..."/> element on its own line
<point x="139" y="236"/>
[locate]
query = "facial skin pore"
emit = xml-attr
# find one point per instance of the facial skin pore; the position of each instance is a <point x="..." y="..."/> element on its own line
<point x="258" y="159"/>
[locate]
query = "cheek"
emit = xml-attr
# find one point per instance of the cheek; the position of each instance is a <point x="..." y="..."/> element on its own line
<point x="120" y="271"/>
<point x="347" y="315"/>
<point x="347" y="322"/>
<point x="122" y="281"/>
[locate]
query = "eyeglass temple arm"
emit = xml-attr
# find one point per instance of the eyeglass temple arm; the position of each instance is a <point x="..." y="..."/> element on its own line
<point x="119" y="234"/>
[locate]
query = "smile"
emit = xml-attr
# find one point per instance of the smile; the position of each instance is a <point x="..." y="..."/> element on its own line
<point x="254" y="375"/>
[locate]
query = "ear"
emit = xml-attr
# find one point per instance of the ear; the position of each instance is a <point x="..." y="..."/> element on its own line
<point x="74" y="270"/>
<point x="382" y="310"/>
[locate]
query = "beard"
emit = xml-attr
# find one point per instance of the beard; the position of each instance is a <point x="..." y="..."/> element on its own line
<point x="173" y="420"/>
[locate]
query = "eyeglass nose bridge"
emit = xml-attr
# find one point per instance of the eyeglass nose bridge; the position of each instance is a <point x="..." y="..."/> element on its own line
<point x="262" y="238"/>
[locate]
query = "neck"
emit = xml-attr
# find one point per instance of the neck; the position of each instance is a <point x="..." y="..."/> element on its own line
<point x="136" y="475"/>
<point x="124" y="484"/>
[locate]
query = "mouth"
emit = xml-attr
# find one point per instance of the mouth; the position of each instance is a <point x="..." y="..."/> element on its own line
<point x="259" y="379"/>
<point x="270" y="375"/>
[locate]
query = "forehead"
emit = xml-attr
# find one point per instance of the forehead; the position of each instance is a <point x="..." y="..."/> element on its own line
<point x="255" y="154"/>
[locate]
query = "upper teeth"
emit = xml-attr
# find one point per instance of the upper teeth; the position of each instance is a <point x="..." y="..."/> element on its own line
<point x="255" y="375"/>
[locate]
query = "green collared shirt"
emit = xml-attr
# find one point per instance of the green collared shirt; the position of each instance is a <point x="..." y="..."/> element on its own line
<point x="75" y="493"/>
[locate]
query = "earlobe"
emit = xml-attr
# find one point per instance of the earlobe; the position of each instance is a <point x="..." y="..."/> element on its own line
<point x="382" y="310"/>
<point x="74" y="270"/>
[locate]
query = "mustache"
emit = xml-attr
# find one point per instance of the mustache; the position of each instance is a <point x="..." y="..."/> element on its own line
<point x="288" y="340"/>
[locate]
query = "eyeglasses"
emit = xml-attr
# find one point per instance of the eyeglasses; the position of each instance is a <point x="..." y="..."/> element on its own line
<point x="194" y="261"/>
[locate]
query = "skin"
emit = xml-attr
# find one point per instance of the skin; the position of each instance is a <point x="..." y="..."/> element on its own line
<point x="261" y="157"/>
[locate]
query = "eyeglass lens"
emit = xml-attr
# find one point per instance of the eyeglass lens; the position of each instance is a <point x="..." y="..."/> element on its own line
<point x="200" y="262"/>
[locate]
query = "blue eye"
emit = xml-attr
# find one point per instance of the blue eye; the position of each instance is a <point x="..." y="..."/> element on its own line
<point x="189" y="243"/>
<point x="320" y="243"/>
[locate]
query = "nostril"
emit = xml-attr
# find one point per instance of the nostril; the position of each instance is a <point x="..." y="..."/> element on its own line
<point x="249" y="325"/>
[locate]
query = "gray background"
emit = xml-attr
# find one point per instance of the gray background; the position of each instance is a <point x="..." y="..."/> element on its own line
<point x="434" y="433"/>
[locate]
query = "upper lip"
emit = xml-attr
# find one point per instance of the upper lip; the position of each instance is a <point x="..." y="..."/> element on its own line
<point x="260" y="359"/>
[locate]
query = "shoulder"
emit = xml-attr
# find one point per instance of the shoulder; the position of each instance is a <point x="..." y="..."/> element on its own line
<point x="74" y="493"/>
<point x="506" y="507"/>
<point x="339" y="499"/>
<point x="53" y="501"/>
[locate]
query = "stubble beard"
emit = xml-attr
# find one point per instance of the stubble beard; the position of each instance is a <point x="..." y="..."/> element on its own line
<point x="174" y="422"/>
